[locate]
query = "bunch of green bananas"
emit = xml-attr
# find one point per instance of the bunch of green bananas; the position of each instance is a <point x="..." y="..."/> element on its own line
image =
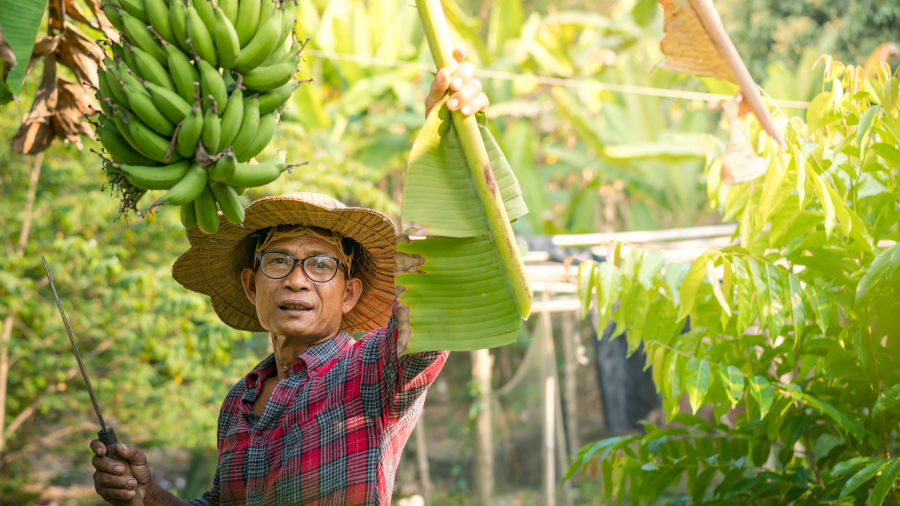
<point x="191" y="93"/>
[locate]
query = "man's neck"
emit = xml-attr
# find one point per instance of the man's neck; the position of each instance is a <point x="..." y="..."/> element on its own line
<point x="286" y="351"/>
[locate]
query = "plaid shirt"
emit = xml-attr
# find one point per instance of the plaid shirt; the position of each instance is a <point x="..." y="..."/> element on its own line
<point x="331" y="434"/>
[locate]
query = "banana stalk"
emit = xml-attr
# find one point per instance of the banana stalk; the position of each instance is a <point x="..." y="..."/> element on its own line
<point x="438" y="36"/>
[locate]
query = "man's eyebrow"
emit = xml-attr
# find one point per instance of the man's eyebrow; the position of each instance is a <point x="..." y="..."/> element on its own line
<point x="312" y="252"/>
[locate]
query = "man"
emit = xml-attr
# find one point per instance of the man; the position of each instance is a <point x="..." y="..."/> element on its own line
<point x="323" y="419"/>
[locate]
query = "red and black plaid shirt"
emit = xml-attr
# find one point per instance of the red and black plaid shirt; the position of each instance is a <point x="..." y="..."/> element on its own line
<point x="331" y="434"/>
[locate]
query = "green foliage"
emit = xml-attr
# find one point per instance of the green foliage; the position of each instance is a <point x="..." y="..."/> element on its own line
<point x="768" y="32"/>
<point x="19" y="24"/>
<point x="146" y="340"/>
<point x="797" y="327"/>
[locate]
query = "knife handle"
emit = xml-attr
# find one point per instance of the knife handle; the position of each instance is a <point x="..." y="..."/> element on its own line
<point x="108" y="438"/>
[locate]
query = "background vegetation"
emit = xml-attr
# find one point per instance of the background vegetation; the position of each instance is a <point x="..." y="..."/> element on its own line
<point x="588" y="161"/>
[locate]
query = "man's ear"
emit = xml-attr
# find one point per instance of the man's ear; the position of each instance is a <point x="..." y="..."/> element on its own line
<point x="352" y="291"/>
<point x="248" y="279"/>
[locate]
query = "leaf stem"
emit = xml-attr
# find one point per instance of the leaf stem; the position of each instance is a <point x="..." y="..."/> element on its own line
<point x="438" y="36"/>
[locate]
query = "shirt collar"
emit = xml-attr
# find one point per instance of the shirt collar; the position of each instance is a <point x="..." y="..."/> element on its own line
<point x="321" y="353"/>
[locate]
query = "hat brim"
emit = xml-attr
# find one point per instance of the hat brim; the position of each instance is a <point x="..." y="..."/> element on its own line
<point x="213" y="264"/>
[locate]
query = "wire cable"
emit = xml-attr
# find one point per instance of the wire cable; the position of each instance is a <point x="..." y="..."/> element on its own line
<point x="549" y="81"/>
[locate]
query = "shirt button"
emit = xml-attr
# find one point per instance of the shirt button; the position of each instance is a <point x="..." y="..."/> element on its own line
<point x="253" y="493"/>
<point x="258" y="440"/>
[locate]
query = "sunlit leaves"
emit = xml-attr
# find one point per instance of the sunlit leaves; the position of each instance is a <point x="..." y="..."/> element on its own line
<point x="817" y="111"/>
<point x="885" y="482"/>
<point x="884" y="266"/>
<point x="691" y="282"/>
<point x="585" y="285"/>
<point x="696" y="381"/>
<point x="761" y="391"/>
<point x="862" y="476"/>
<point x="733" y="380"/>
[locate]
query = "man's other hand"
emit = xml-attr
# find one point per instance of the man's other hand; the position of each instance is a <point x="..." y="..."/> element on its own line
<point x="110" y="480"/>
<point x="467" y="97"/>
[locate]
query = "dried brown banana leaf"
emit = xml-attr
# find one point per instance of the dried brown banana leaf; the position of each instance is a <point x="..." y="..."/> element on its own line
<point x="740" y="163"/>
<point x="37" y="133"/>
<point x="695" y="42"/>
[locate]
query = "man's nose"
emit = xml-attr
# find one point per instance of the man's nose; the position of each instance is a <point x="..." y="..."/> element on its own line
<point x="297" y="280"/>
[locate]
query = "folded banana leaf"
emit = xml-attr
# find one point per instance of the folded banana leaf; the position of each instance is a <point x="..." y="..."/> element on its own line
<point x="453" y="293"/>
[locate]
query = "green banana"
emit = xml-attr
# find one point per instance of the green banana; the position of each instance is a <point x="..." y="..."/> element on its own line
<point x="158" y="15"/>
<point x="178" y="20"/>
<point x="169" y="103"/>
<point x="224" y="167"/>
<point x="117" y="114"/>
<point x="104" y="87"/>
<point x="152" y="70"/>
<point x="139" y="36"/>
<point x="207" y="214"/>
<point x="228" y="46"/>
<point x="200" y="37"/>
<point x="247" y="20"/>
<point x="186" y="190"/>
<point x="249" y="125"/>
<point x="230" y="9"/>
<point x="119" y="148"/>
<point x="112" y="14"/>
<point x="153" y="145"/>
<point x="184" y="75"/>
<point x="231" y="119"/>
<point x="105" y="109"/>
<point x="212" y="130"/>
<point x="189" y="133"/>
<point x="271" y="100"/>
<point x="287" y="21"/>
<point x="269" y="78"/>
<point x="135" y="8"/>
<point x="264" y="42"/>
<point x="205" y="10"/>
<point x="267" y="124"/>
<point x="115" y="85"/>
<point x="228" y="201"/>
<point x="188" y="215"/>
<point x="211" y="83"/>
<point x="240" y="190"/>
<point x="128" y="78"/>
<point x="122" y="50"/>
<point x="267" y="9"/>
<point x="257" y="175"/>
<point x="284" y="50"/>
<point x="144" y="108"/>
<point x="155" y="178"/>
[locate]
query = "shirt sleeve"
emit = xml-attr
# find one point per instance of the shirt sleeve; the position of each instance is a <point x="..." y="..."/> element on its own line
<point x="391" y="384"/>
<point x="211" y="497"/>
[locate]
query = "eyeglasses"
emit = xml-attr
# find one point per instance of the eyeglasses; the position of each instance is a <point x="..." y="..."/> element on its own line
<point x="319" y="268"/>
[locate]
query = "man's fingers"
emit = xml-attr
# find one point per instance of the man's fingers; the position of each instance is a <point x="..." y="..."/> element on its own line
<point x="480" y="103"/>
<point x="113" y="493"/>
<point x="131" y="454"/>
<point x="439" y="85"/>
<point x="107" y="465"/>
<point x="459" y="54"/>
<point x="462" y="76"/>
<point x="98" y="448"/>
<point x="113" y="481"/>
<point x="463" y="97"/>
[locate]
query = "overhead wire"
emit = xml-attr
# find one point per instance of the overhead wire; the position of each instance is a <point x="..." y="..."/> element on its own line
<point x="583" y="84"/>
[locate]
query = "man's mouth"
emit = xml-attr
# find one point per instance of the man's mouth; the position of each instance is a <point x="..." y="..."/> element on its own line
<point x="294" y="307"/>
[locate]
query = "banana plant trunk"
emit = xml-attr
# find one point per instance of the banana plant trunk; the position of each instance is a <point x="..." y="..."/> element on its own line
<point x="438" y="36"/>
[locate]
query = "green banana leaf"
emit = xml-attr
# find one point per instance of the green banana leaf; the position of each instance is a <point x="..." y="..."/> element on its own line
<point x="457" y="294"/>
<point x="20" y="22"/>
<point x="438" y="196"/>
<point x="460" y="301"/>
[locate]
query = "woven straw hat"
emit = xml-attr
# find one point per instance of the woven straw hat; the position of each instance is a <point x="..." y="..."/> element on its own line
<point x="213" y="264"/>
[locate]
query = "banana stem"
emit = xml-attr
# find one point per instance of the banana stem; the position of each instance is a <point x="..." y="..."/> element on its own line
<point x="438" y="36"/>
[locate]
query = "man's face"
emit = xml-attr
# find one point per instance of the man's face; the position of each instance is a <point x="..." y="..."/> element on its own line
<point x="295" y="306"/>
